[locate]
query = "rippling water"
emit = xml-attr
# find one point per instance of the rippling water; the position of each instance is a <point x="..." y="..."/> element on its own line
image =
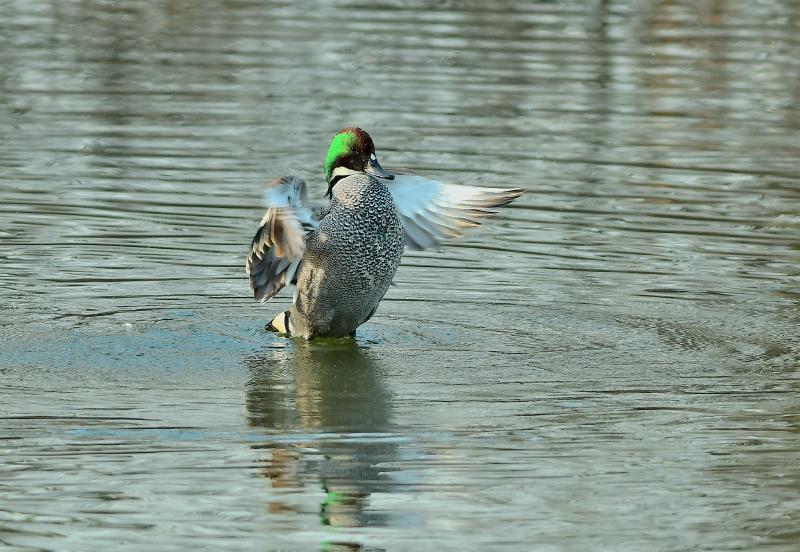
<point x="611" y="363"/>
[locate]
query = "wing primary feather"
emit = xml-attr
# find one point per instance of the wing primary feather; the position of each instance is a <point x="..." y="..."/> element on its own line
<point x="278" y="246"/>
<point x="431" y="211"/>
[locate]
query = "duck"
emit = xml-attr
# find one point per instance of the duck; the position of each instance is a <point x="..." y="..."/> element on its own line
<point x="341" y="253"/>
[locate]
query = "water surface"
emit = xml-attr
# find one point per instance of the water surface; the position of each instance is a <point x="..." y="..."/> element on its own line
<point x="610" y="363"/>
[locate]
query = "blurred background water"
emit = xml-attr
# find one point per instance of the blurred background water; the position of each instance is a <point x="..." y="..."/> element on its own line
<point x="609" y="364"/>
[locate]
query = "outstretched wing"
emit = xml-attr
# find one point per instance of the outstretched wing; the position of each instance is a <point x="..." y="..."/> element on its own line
<point x="431" y="211"/>
<point x="276" y="251"/>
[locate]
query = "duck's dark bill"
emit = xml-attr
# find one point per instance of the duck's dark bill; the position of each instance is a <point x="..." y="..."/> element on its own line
<point x="374" y="168"/>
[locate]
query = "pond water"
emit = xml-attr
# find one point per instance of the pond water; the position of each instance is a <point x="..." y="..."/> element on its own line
<point x="611" y="363"/>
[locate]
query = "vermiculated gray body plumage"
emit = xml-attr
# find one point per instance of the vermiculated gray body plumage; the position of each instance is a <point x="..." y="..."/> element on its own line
<point x="349" y="261"/>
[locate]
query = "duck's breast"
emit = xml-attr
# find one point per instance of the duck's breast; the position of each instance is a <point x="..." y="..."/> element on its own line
<point x="351" y="259"/>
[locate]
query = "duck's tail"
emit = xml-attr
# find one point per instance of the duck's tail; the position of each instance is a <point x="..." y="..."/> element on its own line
<point x="280" y="324"/>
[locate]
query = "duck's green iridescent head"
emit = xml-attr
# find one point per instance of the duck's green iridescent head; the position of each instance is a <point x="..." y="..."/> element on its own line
<point x="352" y="149"/>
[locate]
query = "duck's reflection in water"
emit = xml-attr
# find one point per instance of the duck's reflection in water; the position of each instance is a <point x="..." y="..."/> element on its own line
<point x="331" y="397"/>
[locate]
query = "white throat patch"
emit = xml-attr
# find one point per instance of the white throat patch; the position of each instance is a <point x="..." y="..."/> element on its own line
<point x="342" y="171"/>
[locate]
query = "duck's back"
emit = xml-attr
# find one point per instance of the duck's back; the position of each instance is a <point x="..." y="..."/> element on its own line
<point x="350" y="259"/>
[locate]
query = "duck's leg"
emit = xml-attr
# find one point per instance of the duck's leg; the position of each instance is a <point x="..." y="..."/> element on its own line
<point x="280" y="323"/>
